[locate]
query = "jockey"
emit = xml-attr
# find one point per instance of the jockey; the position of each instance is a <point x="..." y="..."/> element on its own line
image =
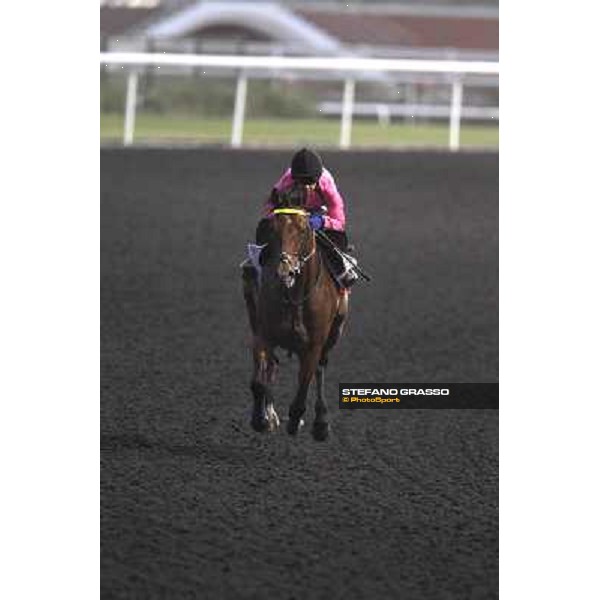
<point x="307" y="175"/>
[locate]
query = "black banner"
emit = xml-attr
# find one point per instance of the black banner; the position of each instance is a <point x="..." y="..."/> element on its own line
<point x="418" y="395"/>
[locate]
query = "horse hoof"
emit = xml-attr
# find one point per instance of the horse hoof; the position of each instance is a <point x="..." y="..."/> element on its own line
<point x="320" y="431"/>
<point x="260" y="425"/>
<point x="294" y="425"/>
<point x="272" y="426"/>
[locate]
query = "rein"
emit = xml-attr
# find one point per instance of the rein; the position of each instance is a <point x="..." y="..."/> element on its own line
<point x="286" y="258"/>
<point x="311" y="289"/>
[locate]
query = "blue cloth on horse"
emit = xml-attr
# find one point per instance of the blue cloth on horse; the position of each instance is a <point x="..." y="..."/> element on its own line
<point x="254" y="251"/>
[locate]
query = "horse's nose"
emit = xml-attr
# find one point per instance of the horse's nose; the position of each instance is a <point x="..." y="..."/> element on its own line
<point x="285" y="271"/>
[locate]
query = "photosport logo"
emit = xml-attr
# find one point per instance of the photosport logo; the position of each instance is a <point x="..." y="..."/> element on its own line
<point x="419" y="395"/>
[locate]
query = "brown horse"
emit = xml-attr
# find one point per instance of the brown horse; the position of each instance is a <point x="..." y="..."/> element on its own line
<point x="297" y="306"/>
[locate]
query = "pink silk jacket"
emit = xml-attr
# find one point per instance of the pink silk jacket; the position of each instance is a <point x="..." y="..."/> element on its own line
<point x="335" y="218"/>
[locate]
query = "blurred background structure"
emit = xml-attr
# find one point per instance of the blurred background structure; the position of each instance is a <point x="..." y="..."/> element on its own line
<point x="147" y="101"/>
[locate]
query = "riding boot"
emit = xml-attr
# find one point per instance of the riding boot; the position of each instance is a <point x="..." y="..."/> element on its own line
<point x="342" y="265"/>
<point x="347" y="275"/>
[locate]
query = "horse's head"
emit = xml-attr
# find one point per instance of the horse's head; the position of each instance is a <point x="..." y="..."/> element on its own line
<point x="295" y="242"/>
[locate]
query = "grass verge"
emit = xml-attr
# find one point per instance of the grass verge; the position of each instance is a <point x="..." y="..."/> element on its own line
<point x="293" y="132"/>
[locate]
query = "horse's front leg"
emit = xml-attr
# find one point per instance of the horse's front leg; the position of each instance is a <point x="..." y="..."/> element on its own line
<point x="264" y="417"/>
<point x="250" y="289"/>
<point x="308" y="365"/>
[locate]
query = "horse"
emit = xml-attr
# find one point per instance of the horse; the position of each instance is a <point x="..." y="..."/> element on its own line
<point x="296" y="305"/>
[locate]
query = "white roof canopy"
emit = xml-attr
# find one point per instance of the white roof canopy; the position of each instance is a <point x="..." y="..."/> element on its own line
<point x="267" y="18"/>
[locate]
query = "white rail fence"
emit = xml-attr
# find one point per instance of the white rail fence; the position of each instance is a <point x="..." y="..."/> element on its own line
<point x="384" y="111"/>
<point x="349" y="69"/>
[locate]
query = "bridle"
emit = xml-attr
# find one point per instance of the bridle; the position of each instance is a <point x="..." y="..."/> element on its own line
<point x="288" y="257"/>
<point x="301" y="260"/>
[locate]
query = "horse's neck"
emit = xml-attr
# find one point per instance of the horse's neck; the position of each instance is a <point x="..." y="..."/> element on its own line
<point x="310" y="273"/>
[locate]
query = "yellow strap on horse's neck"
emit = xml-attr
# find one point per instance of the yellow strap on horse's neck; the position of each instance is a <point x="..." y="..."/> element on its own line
<point x="289" y="211"/>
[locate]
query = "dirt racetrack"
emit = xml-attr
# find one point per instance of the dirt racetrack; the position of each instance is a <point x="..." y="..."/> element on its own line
<point x="398" y="504"/>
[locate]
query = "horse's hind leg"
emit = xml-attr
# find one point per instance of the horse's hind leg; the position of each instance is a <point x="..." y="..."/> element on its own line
<point x="308" y="366"/>
<point x="321" y="426"/>
<point x="337" y="327"/>
<point x="264" y="417"/>
<point x="320" y="429"/>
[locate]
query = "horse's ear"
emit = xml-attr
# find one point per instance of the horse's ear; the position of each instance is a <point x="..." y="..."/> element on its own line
<point x="282" y="199"/>
<point x="275" y="198"/>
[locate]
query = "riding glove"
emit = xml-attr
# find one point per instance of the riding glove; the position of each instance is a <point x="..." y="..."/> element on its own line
<point x="316" y="221"/>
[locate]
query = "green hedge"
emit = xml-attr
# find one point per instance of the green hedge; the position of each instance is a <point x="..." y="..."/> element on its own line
<point x="209" y="97"/>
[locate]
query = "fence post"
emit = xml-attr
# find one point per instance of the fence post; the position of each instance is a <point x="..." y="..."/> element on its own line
<point x="239" y="110"/>
<point x="455" y="110"/>
<point x="130" y="104"/>
<point x="347" y="108"/>
<point x="383" y="115"/>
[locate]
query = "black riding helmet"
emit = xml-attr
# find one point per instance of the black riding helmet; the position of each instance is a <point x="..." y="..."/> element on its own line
<point x="307" y="166"/>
